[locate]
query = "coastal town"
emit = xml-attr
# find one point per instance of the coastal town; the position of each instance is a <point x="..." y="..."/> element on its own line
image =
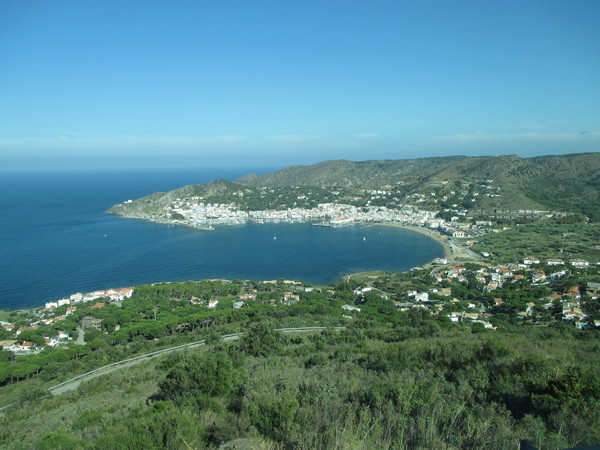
<point x="467" y="287"/>
<point x="457" y="210"/>
<point x="530" y="291"/>
<point x="46" y="328"/>
<point x="196" y="213"/>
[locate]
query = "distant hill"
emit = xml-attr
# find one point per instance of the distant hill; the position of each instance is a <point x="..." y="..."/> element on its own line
<point x="565" y="182"/>
<point x="349" y="174"/>
<point x="568" y="183"/>
<point x="154" y="207"/>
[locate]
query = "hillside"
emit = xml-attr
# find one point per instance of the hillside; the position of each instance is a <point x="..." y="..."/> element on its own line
<point x="565" y="182"/>
<point x="417" y="384"/>
<point x="342" y="173"/>
<point x="155" y="207"/>
<point x="421" y="359"/>
<point x="479" y="185"/>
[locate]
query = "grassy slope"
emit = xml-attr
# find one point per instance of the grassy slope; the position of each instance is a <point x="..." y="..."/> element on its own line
<point x="543" y="241"/>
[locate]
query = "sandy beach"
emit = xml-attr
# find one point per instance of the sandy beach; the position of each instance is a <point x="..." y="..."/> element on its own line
<point x="453" y="251"/>
<point x="436" y="235"/>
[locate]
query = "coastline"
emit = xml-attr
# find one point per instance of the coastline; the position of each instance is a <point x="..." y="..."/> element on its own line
<point x="450" y="251"/>
<point x="441" y="239"/>
<point x="435" y="235"/>
<point x="453" y="251"/>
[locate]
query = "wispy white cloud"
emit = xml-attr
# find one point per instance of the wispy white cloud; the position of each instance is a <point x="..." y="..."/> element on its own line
<point x="83" y="146"/>
<point x="293" y="138"/>
<point x="534" y="125"/>
<point x="368" y="136"/>
<point x="67" y="144"/>
<point x="479" y="137"/>
<point x="226" y="138"/>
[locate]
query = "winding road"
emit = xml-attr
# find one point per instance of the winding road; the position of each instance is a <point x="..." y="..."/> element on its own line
<point x="73" y="383"/>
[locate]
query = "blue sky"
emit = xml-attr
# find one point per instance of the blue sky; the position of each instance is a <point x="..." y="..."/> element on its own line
<point x="191" y="83"/>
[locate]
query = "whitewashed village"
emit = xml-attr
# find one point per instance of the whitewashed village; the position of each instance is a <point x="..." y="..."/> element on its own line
<point x="444" y="207"/>
<point x="46" y="317"/>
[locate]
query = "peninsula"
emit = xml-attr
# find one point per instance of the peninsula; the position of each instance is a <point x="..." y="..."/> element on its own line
<point x="458" y="197"/>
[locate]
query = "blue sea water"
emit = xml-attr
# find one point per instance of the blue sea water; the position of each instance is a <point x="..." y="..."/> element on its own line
<point x="55" y="239"/>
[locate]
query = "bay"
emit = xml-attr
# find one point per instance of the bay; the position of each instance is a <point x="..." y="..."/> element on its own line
<point x="55" y="239"/>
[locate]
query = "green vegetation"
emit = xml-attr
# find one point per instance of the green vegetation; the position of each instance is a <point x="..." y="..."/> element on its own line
<point x="563" y="183"/>
<point x="363" y="387"/>
<point x="461" y="355"/>
<point x="544" y="240"/>
<point x="390" y="379"/>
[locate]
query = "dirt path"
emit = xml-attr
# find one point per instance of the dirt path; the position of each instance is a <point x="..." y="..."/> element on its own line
<point x="80" y="336"/>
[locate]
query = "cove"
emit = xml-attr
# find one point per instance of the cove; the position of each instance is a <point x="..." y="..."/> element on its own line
<point x="57" y="241"/>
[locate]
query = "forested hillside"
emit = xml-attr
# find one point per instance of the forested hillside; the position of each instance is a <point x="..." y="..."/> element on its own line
<point x="350" y="174"/>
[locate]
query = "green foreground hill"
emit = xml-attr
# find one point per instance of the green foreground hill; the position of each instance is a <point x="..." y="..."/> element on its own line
<point x="384" y="371"/>
<point x="416" y="384"/>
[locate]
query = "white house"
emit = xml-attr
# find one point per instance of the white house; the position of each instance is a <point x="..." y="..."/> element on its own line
<point x="422" y="296"/>
<point x="76" y="298"/>
<point x="350" y="308"/>
<point x="362" y="290"/>
<point x="455" y="317"/>
<point x="25" y="346"/>
<point x="579" y="262"/>
<point x="62" y="335"/>
<point x="454" y="232"/>
<point x="119" y="294"/>
<point x="486" y="325"/>
<point x="50" y="341"/>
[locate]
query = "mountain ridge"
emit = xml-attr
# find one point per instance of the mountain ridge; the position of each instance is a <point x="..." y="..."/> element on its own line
<point x="570" y="182"/>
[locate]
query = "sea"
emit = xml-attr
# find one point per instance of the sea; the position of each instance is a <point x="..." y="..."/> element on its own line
<point x="56" y="239"/>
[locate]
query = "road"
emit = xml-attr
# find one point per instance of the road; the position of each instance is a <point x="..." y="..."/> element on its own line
<point x="461" y="252"/>
<point x="74" y="383"/>
<point x="80" y="336"/>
